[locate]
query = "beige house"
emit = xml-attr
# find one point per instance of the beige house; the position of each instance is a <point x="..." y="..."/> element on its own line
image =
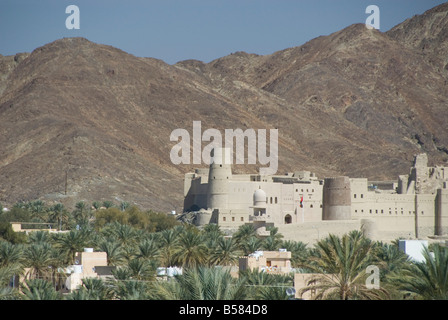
<point x="276" y="262"/>
<point x="88" y="264"/>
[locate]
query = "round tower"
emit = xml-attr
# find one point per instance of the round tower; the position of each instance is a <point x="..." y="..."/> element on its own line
<point x="336" y="199"/>
<point x="219" y="174"/>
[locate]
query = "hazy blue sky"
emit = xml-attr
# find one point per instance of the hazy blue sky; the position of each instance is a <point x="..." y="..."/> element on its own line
<point x="174" y="30"/>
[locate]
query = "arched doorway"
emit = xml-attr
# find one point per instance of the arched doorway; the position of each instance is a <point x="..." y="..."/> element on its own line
<point x="288" y="219"/>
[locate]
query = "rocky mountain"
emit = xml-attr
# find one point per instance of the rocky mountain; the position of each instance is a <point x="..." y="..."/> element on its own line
<point x="85" y="121"/>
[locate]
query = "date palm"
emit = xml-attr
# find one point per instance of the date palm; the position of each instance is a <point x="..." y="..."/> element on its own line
<point x="39" y="289"/>
<point x="140" y="269"/>
<point x="114" y="251"/>
<point x="340" y="266"/>
<point x="92" y="289"/>
<point x="38" y="258"/>
<point x="131" y="290"/>
<point x="201" y="283"/>
<point x="192" y="251"/>
<point x="251" y="245"/>
<point x="428" y="279"/>
<point x="226" y="252"/>
<point x="72" y="242"/>
<point x="299" y="252"/>
<point x="148" y="250"/>
<point x="169" y="244"/>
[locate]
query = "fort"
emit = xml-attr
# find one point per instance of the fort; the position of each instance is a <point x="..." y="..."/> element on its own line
<point x="415" y="204"/>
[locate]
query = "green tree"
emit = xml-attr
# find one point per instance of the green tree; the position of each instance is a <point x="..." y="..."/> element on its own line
<point x="340" y="264"/>
<point x="38" y="257"/>
<point x="226" y="252"/>
<point x="192" y="251"/>
<point x="92" y="289"/>
<point x="72" y="242"/>
<point x="114" y="251"/>
<point x="428" y="279"/>
<point x="201" y="283"/>
<point x="169" y="245"/>
<point x="39" y="289"/>
<point x="148" y="250"/>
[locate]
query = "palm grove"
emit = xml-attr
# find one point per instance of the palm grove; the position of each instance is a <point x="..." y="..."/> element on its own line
<point x="138" y="242"/>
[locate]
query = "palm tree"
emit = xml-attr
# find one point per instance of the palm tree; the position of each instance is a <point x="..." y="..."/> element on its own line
<point x="265" y="286"/>
<point x="39" y="289"/>
<point x="169" y="240"/>
<point x="201" y="283"/>
<point x="226" y="252"/>
<point x="148" y="250"/>
<point x="428" y="279"/>
<point x="72" y="242"/>
<point x="124" y="233"/>
<point x="39" y="237"/>
<point x="192" y="251"/>
<point x="299" y="251"/>
<point x="244" y="233"/>
<point x="251" y="245"/>
<point x="38" y="257"/>
<point x="92" y="289"/>
<point x="114" y="251"/>
<point x="142" y="269"/>
<point x="340" y="264"/>
<point x="131" y="290"/>
<point x="10" y="254"/>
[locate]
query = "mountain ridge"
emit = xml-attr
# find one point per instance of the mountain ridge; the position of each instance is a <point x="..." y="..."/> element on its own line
<point x="357" y="102"/>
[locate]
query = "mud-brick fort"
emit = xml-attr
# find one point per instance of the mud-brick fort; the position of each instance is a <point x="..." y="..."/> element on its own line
<point x="415" y="203"/>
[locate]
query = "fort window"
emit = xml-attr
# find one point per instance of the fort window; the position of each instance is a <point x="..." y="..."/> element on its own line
<point x="233" y="218"/>
<point x="288" y="219"/>
<point x="423" y="212"/>
<point x="354" y="196"/>
<point x="311" y="206"/>
<point x="271" y="200"/>
<point x="242" y="218"/>
<point x="356" y="211"/>
<point x="376" y="211"/>
<point x="275" y="199"/>
<point x="223" y="218"/>
<point x="362" y="196"/>
<point x="382" y="211"/>
<point x="312" y="190"/>
<point x="370" y="211"/>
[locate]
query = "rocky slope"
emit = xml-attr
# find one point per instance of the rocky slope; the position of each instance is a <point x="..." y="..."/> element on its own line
<point x="356" y="102"/>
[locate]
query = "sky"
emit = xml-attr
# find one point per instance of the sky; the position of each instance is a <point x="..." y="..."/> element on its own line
<point x="175" y="30"/>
